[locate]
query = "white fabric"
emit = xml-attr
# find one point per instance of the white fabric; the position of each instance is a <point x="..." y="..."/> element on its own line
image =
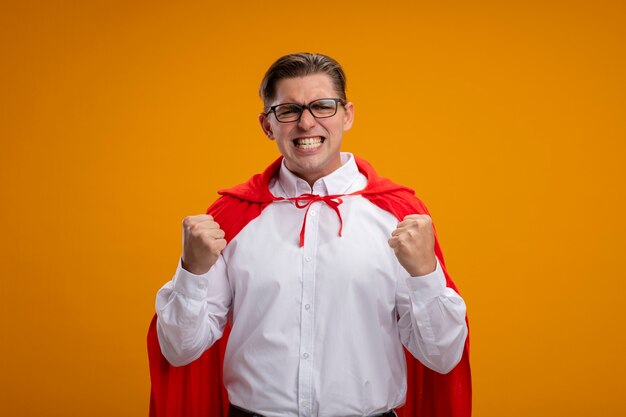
<point x="316" y="330"/>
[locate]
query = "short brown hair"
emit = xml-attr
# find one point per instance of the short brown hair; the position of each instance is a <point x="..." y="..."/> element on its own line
<point x="301" y="65"/>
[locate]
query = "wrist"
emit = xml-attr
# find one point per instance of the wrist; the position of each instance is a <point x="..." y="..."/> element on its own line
<point x="194" y="269"/>
<point x="424" y="267"/>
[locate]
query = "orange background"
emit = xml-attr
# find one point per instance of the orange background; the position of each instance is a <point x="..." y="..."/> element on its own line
<point x="118" y="118"/>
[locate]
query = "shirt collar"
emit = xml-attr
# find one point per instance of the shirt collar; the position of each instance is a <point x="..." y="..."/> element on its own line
<point x="337" y="182"/>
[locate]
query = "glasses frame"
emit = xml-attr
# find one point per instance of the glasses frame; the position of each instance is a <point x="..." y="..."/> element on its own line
<point x="304" y="107"/>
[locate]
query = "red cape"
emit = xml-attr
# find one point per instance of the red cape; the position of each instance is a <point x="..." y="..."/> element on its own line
<point x="196" y="390"/>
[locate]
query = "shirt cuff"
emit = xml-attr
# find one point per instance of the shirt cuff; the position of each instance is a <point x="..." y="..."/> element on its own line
<point x="428" y="286"/>
<point x="191" y="285"/>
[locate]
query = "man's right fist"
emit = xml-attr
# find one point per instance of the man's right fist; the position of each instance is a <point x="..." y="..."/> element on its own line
<point x="203" y="241"/>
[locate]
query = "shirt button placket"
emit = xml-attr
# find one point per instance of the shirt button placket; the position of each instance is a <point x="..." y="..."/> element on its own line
<point x="305" y="374"/>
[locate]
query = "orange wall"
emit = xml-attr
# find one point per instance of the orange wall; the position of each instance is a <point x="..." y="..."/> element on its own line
<point x="118" y="118"/>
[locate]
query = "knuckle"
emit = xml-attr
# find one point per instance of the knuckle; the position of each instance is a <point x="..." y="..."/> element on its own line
<point x="206" y="234"/>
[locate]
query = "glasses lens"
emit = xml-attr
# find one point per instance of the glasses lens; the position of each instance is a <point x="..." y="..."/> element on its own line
<point x="323" y="108"/>
<point x="288" y="112"/>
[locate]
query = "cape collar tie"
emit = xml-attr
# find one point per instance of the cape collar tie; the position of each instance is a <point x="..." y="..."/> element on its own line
<point x="305" y="201"/>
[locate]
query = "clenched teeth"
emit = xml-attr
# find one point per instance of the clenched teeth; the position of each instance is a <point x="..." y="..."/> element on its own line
<point x="308" y="143"/>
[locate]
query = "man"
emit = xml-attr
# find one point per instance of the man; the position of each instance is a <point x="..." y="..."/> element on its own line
<point x="323" y="271"/>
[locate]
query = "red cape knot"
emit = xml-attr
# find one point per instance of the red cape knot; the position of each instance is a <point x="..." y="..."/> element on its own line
<point x="305" y="201"/>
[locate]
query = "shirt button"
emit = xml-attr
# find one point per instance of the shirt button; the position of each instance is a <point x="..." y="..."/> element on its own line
<point x="305" y="403"/>
<point x="307" y="306"/>
<point x="305" y="356"/>
<point x="307" y="258"/>
<point x="312" y="213"/>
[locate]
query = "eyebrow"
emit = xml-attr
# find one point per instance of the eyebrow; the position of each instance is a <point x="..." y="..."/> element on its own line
<point x="302" y="104"/>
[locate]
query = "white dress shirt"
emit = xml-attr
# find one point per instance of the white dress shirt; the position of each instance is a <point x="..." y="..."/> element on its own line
<point x="316" y="330"/>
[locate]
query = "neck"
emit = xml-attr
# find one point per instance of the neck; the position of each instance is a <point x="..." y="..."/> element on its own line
<point x="312" y="177"/>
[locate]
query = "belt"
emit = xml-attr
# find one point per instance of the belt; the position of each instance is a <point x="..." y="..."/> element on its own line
<point x="235" y="411"/>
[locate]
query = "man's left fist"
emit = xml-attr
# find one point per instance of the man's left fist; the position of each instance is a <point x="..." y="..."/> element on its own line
<point x="413" y="242"/>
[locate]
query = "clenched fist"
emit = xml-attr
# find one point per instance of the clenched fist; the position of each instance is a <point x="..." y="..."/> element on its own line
<point x="413" y="242"/>
<point x="203" y="241"/>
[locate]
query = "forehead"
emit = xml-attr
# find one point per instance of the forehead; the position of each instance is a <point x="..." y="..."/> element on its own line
<point x="304" y="89"/>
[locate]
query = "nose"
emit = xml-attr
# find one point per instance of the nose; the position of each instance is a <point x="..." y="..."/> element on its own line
<point x="307" y="120"/>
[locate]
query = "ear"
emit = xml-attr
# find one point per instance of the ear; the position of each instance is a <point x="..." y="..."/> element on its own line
<point x="348" y="116"/>
<point x="266" y="126"/>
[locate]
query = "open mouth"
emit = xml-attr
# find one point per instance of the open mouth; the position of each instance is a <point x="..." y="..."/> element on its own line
<point x="309" y="143"/>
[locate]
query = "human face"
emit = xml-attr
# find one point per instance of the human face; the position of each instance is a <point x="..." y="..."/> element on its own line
<point x="310" y="146"/>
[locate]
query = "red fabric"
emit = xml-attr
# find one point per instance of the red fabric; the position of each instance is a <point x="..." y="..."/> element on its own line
<point x="196" y="390"/>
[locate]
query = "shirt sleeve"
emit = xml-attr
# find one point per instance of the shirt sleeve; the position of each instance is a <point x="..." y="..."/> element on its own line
<point x="192" y="311"/>
<point x="431" y="319"/>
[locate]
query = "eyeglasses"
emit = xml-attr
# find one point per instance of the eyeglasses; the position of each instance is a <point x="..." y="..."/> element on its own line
<point x="292" y="112"/>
